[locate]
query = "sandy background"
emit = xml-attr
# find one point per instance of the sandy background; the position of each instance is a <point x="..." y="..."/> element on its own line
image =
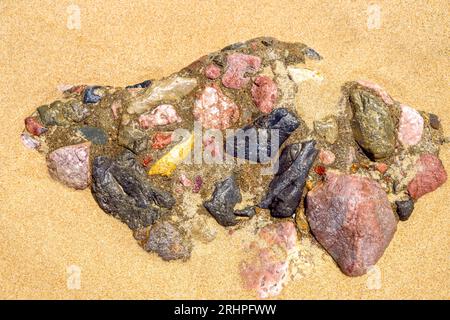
<point x="45" y="227"/>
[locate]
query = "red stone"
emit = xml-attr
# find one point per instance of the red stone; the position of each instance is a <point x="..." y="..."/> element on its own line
<point x="238" y="64"/>
<point x="320" y="170"/>
<point x="34" y="127"/>
<point x="147" y="159"/>
<point x="352" y="219"/>
<point x="198" y="182"/>
<point x="430" y="175"/>
<point x="382" y="167"/>
<point x="212" y="71"/>
<point x="161" y="140"/>
<point x="264" y="93"/>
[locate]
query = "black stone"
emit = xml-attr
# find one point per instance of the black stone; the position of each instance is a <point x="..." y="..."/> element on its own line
<point x="404" y="209"/>
<point x="246" y="212"/>
<point x="286" y="188"/>
<point x="90" y="96"/>
<point x="143" y="84"/>
<point x="435" y="123"/>
<point x="122" y="188"/>
<point x="269" y="131"/>
<point x="225" y="196"/>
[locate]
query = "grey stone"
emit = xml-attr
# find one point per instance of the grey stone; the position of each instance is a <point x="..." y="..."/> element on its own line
<point x="122" y="188"/>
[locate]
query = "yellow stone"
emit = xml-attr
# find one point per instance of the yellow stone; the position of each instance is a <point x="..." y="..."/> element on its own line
<point x="167" y="164"/>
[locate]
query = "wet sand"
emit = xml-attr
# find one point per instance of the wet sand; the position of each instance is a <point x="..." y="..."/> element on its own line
<point x="46" y="227"/>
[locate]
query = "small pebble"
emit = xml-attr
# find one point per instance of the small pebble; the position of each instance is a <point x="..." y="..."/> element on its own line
<point x="34" y="127"/>
<point x="404" y="209"/>
<point x="90" y="95"/>
<point x="435" y="122"/>
<point x="144" y="84"/>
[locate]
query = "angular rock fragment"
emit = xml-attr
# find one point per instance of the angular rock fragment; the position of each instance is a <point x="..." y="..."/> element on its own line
<point x="168" y="241"/>
<point x="28" y="141"/>
<point x="160" y="116"/>
<point x="430" y="175"/>
<point x="327" y="129"/>
<point x="212" y="71"/>
<point x="264" y="93"/>
<point x="260" y="141"/>
<point x="224" y="198"/>
<point x="132" y="137"/>
<point x="93" y="134"/>
<point x="286" y="188"/>
<point x="372" y="124"/>
<point x="352" y="219"/>
<point x="140" y="85"/>
<point x="34" y="127"/>
<point x="214" y="109"/>
<point x="404" y="208"/>
<point x="122" y="188"/>
<point x="92" y="94"/>
<point x="238" y="65"/>
<point x="169" y="89"/>
<point x="70" y="165"/>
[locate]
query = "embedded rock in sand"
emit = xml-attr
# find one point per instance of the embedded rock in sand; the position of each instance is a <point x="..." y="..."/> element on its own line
<point x="352" y="219"/>
<point x="70" y="165"/>
<point x="430" y="175"/>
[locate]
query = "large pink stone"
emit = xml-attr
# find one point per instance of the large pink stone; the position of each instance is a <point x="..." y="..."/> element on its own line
<point x="410" y="126"/>
<point x="430" y="175"/>
<point x="264" y="93"/>
<point x="238" y="64"/>
<point x="352" y="219"/>
<point x="215" y="110"/>
<point x="378" y="89"/>
<point x="160" y="116"/>
<point x="70" y="165"/>
<point x="267" y="269"/>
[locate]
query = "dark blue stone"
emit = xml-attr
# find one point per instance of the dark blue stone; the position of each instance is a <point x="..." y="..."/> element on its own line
<point x="144" y="84"/>
<point x="90" y="96"/>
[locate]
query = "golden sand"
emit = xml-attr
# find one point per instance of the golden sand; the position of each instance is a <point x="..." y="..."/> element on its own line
<point x="46" y="228"/>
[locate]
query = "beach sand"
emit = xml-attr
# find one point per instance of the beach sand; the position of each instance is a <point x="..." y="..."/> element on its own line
<point x="45" y="228"/>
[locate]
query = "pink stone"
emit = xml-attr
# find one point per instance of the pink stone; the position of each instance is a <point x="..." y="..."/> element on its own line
<point x="267" y="269"/>
<point x="34" y="127"/>
<point x="430" y="175"/>
<point x="70" y="165"/>
<point x="238" y="64"/>
<point x="410" y="126"/>
<point x="116" y="106"/>
<point x="381" y="167"/>
<point x="326" y="157"/>
<point x="378" y="89"/>
<point x="184" y="180"/>
<point x="264" y="93"/>
<point x="161" y="140"/>
<point x="160" y="116"/>
<point x="212" y="71"/>
<point x="215" y="110"/>
<point x="29" y="142"/>
<point x="352" y="219"/>
<point x="212" y="146"/>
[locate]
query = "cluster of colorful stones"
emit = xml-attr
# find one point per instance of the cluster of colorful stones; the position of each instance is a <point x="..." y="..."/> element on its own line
<point x="353" y="175"/>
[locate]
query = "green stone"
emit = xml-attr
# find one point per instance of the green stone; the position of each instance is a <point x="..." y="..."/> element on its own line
<point x="94" y="134"/>
<point x="372" y="125"/>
